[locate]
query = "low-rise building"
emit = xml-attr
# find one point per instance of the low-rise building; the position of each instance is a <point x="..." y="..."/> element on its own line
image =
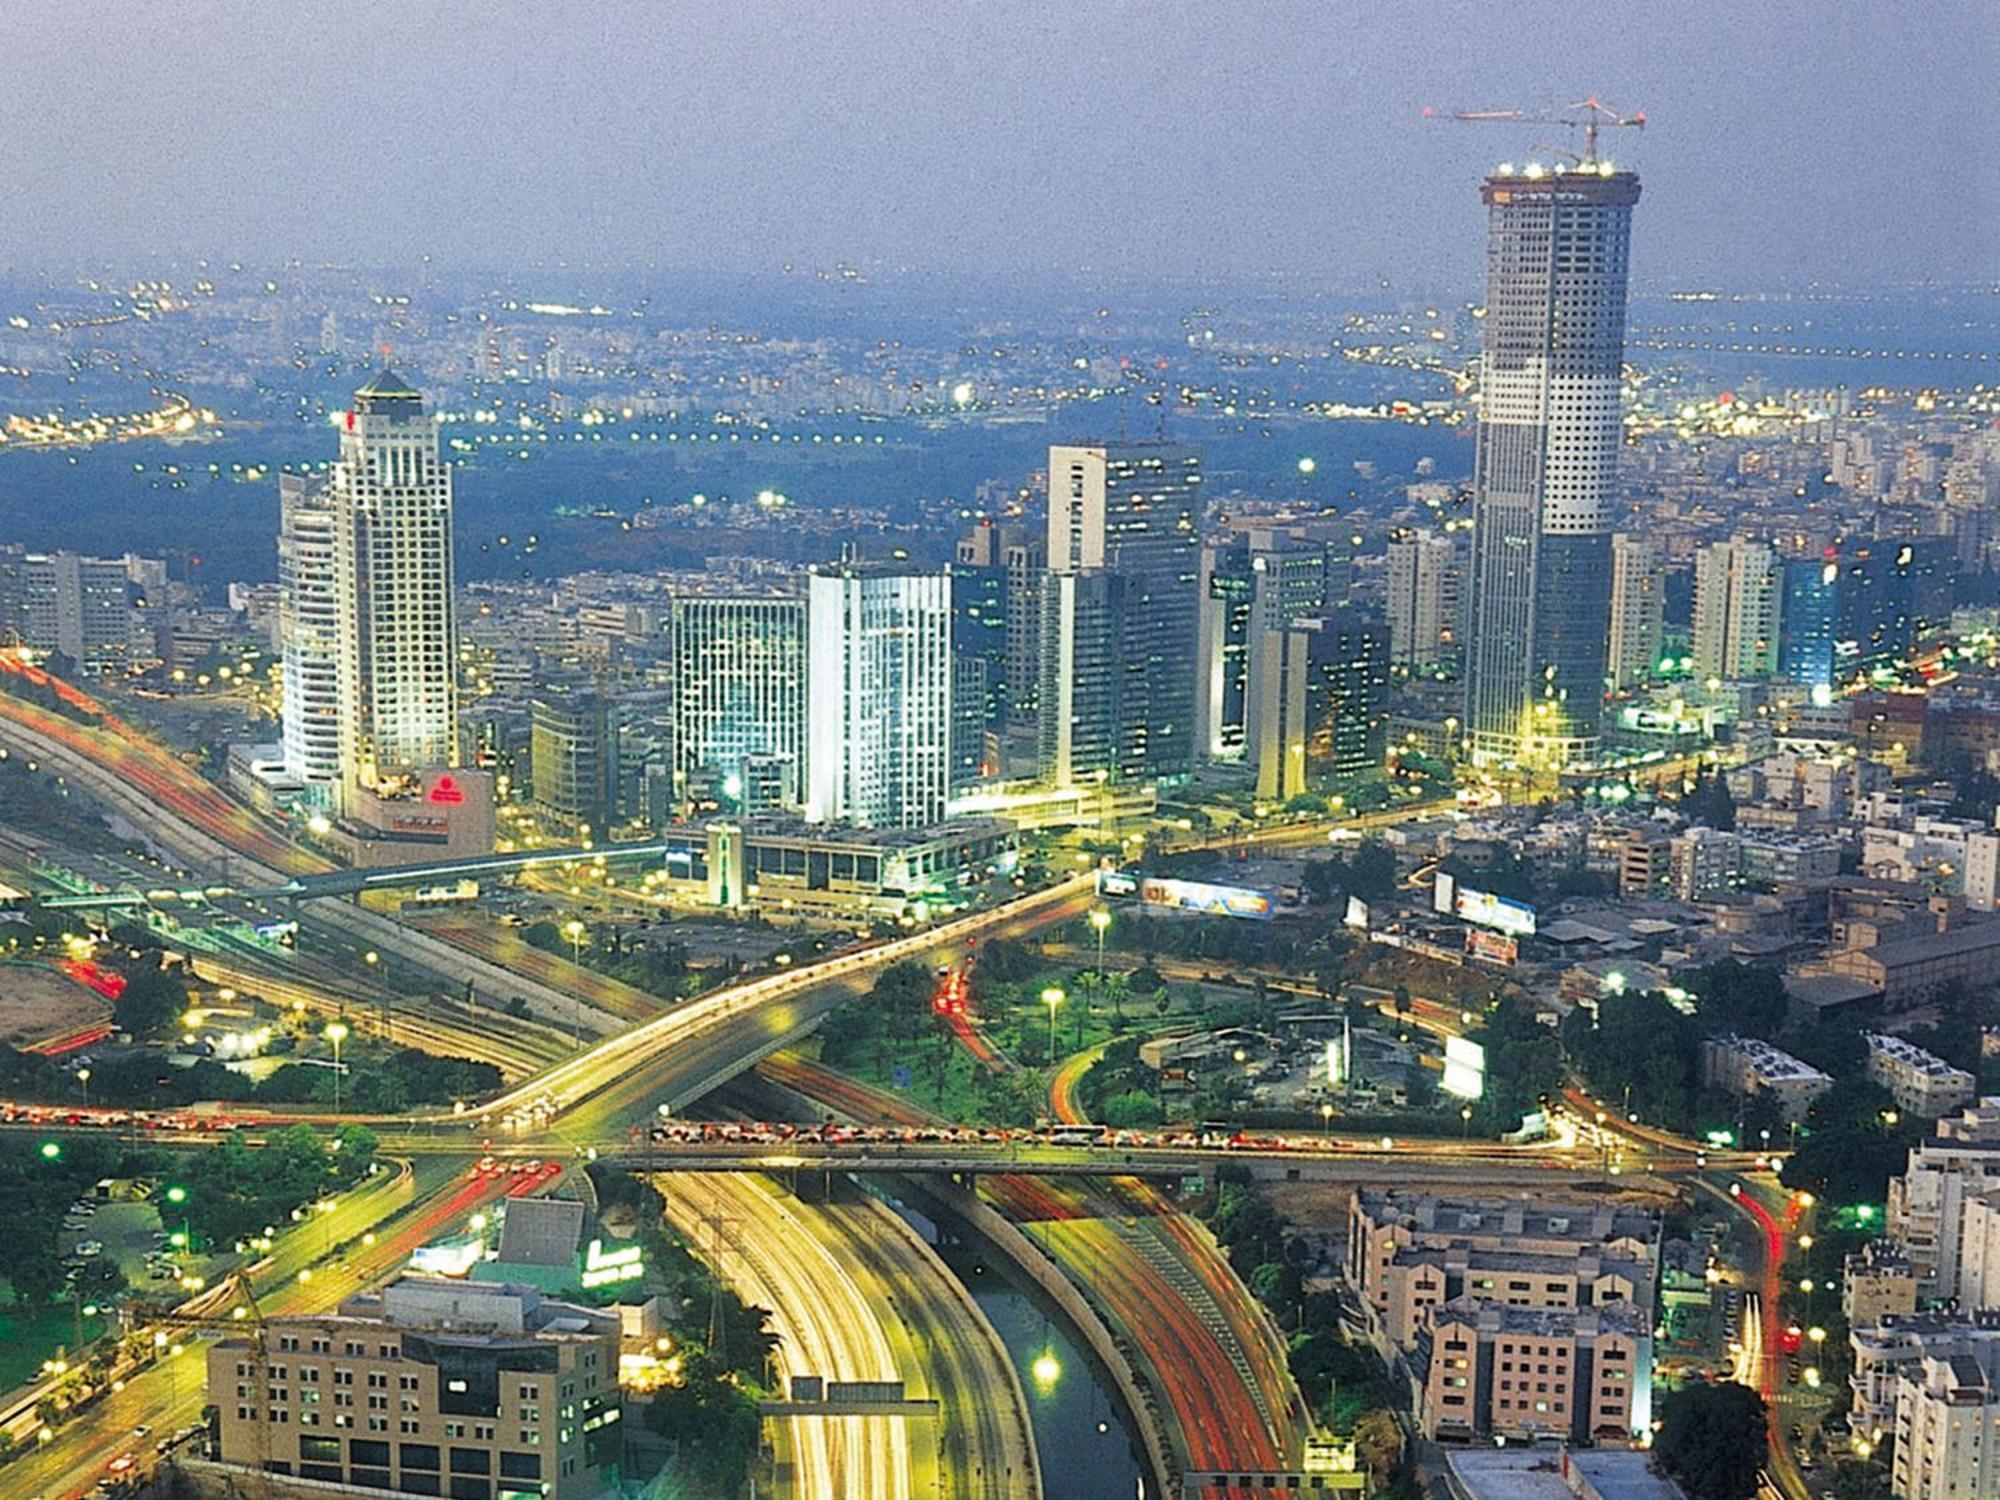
<point x="1704" y="863"/>
<point x="1746" y="1066"/>
<point x="1923" y="1083"/>
<point x="1410" y="1252"/>
<point x="1876" y="1284"/>
<point x="430" y="1387"/>
<point x="778" y="863"/>
<point x="1912" y="970"/>
<point x="1519" y="1374"/>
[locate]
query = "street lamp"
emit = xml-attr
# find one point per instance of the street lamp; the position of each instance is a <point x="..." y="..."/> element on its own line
<point x="336" y="1032"/>
<point x="83" y="1078"/>
<point x="1052" y="997"/>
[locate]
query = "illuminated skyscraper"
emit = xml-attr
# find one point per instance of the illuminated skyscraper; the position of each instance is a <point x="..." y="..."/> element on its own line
<point x="1737" y="599"/>
<point x="1638" y="611"/>
<point x="878" y="696"/>
<point x="1133" y="509"/>
<point x="1549" y="427"/>
<point x="391" y="498"/>
<point x="309" y="636"/>
<point x="740" y="698"/>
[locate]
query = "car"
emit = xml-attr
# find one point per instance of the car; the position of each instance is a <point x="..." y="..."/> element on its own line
<point x="142" y="1430"/>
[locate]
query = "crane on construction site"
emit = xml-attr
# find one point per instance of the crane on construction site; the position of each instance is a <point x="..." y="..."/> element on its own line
<point x="1587" y="115"/>
<point x="230" y="1306"/>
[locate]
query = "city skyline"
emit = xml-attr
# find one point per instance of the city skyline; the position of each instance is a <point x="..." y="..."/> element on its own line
<point x="706" y="136"/>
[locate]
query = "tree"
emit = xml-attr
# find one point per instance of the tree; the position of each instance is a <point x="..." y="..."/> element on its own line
<point x="1739" y="997"/>
<point x="1378" y="1443"/>
<point x="1712" y="1439"/>
<point x="1710" y="803"/>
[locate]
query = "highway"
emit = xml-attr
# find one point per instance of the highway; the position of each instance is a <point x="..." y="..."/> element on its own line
<point x="1157" y="1280"/>
<point x="785" y="1257"/>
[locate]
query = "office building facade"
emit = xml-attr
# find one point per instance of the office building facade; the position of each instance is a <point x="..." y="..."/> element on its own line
<point x="398" y="649"/>
<point x="879" y="686"/>
<point x="308" y="637"/>
<point x="1134" y="509"/>
<point x="431" y="1387"/>
<point x="573" y="757"/>
<point x="739" y="697"/>
<point x="1545" y="468"/>
<point x="1426" y="584"/>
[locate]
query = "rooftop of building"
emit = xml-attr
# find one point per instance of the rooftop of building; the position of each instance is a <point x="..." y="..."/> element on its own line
<point x="776" y="827"/>
<point x="1910" y="1055"/>
<point x="1517" y="1217"/>
<point x="387" y="385"/>
<point x="1543" y="1322"/>
<point x="1537" y="1473"/>
<point x="1974" y="937"/>
<point x="1773" y="1065"/>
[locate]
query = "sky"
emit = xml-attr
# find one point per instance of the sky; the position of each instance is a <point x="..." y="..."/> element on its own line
<point x="1787" y="140"/>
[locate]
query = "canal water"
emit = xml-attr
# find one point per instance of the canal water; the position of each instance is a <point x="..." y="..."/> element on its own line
<point x="1086" y="1448"/>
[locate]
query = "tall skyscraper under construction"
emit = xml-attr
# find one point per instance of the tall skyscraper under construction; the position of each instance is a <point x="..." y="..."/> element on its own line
<point x="1545" y="473"/>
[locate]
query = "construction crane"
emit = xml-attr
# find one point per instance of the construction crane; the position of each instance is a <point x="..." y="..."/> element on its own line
<point x="1587" y="115"/>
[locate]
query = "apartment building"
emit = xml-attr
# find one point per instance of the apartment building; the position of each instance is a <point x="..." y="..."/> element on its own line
<point x="1876" y="1284"/>
<point x="1519" y="1374"/>
<point x="1947" y="1431"/>
<point x="431" y="1387"/>
<point x="1884" y="1351"/>
<point x="1959" y="1163"/>
<point x="1746" y="1066"/>
<point x="1924" y="1084"/>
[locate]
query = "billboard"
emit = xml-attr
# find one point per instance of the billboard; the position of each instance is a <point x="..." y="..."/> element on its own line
<point x="1483" y="908"/>
<point x="1116" y="883"/>
<point x="1357" y="913"/>
<point x="1464" y="1068"/>
<point x="1494" y="947"/>
<point x="1209" y="900"/>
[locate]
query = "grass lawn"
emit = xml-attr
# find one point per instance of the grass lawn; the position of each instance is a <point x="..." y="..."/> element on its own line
<point x="27" y="1337"/>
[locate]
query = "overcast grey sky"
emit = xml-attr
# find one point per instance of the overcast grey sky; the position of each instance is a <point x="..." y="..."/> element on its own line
<point x="1849" y="139"/>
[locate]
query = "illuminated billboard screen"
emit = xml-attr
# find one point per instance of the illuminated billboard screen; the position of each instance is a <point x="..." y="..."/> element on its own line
<point x="1464" y="1068"/>
<point x="1210" y="900"/>
<point x="1495" y="947"/>
<point x="1484" y="909"/>
<point x="1357" y="913"/>
<point x="1116" y="883"/>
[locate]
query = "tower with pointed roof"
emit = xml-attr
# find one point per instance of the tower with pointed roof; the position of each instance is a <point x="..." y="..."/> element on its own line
<point x="397" y="662"/>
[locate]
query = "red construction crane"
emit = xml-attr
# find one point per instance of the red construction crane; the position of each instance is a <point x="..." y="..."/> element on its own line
<point x="1587" y="115"/>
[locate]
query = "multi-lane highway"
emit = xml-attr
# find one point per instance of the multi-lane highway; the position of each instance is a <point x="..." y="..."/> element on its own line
<point x="788" y="1257"/>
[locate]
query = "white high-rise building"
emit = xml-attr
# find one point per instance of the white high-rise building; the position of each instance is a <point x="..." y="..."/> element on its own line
<point x="878" y="696"/>
<point x="1947" y="1430"/>
<point x="391" y="497"/>
<point x="309" y="636"/>
<point x="1425" y="579"/>
<point x="1638" y="612"/>
<point x="1927" y="1204"/>
<point x="1737" y="595"/>
<point x="739" y="690"/>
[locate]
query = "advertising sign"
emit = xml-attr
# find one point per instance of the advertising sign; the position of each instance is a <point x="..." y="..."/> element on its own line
<point x="1494" y="947"/>
<point x="1464" y="1068"/>
<point x="1488" y="910"/>
<point x="1209" y="900"/>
